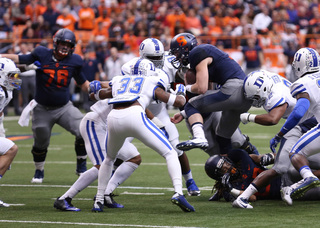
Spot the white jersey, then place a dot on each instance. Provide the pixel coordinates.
(5, 98)
(127, 89)
(102, 109)
(168, 68)
(309, 84)
(279, 95)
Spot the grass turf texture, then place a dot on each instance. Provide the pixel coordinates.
(146, 194)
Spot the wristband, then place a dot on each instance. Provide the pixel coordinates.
(188, 88)
(172, 99)
(183, 113)
(96, 96)
(235, 192)
(251, 117)
(157, 122)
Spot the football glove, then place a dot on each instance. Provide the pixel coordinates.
(34, 66)
(180, 90)
(267, 159)
(225, 180)
(94, 86)
(274, 142)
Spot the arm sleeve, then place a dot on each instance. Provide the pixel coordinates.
(298, 112)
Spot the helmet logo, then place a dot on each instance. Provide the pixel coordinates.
(259, 82)
(182, 41)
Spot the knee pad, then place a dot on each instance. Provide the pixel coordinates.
(39, 155)
(80, 147)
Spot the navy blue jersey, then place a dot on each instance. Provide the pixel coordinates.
(222, 67)
(53, 79)
(252, 56)
(249, 170)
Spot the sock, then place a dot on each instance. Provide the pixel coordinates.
(122, 173)
(39, 165)
(174, 170)
(188, 175)
(0, 177)
(305, 172)
(105, 172)
(83, 181)
(250, 190)
(197, 129)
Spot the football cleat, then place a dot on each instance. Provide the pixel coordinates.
(285, 195)
(182, 202)
(215, 197)
(110, 203)
(65, 205)
(3, 204)
(81, 166)
(241, 203)
(193, 143)
(193, 189)
(306, 185)
(97, 207)
(38, 177)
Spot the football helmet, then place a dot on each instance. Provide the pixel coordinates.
(180, 47)
(257, 87)
(9, 74)
(153, 50)
(215, 167)
(144, 67)
(64, 36)
(305, 60)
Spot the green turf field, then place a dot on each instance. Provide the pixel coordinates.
(146, 194)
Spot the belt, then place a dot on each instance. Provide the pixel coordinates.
(52, 107)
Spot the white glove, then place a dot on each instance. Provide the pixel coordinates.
(34, 66)
(180, 90)
(247, 117)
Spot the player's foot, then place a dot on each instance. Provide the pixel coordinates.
(241, 203)
(3, 204)
(181, 201)
(306, 185)
(38, 177)
(285, 195)
(81, 166)
(65, 205)
(193, 189)
(97, 207)
(247, 146)
(110, 203)
(193, 143)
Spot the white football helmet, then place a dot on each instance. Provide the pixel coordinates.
(305, 60)
(153, 50)
(144, 67)
(9, 74)
(257, 87)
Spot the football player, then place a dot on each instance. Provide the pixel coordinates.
(210, 65)
(53, 106)
(153, 50)
(9, 80)
(129, 111)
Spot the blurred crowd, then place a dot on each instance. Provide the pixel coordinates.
(110, 28)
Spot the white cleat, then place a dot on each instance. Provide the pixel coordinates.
(3, 204)
(286, 195)
(241, 203)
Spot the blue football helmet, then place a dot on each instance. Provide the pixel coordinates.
(64, 36)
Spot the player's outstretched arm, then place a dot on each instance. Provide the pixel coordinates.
(177, 100)
(13, 57)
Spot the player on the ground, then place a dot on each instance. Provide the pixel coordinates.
(210, 65)
(153, 50)
(9, 80)
(131, 95)
(53, 106)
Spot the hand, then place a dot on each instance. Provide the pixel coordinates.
(165, 132)
(274, 142)
(94, 86)
(34, 66)
(177, 118)
(244, 117)
(225, 180)
(267, 159)
(180, 90)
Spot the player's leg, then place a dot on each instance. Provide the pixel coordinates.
(93, 131)
(306, 146)
(70, 118)
(42, 123)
